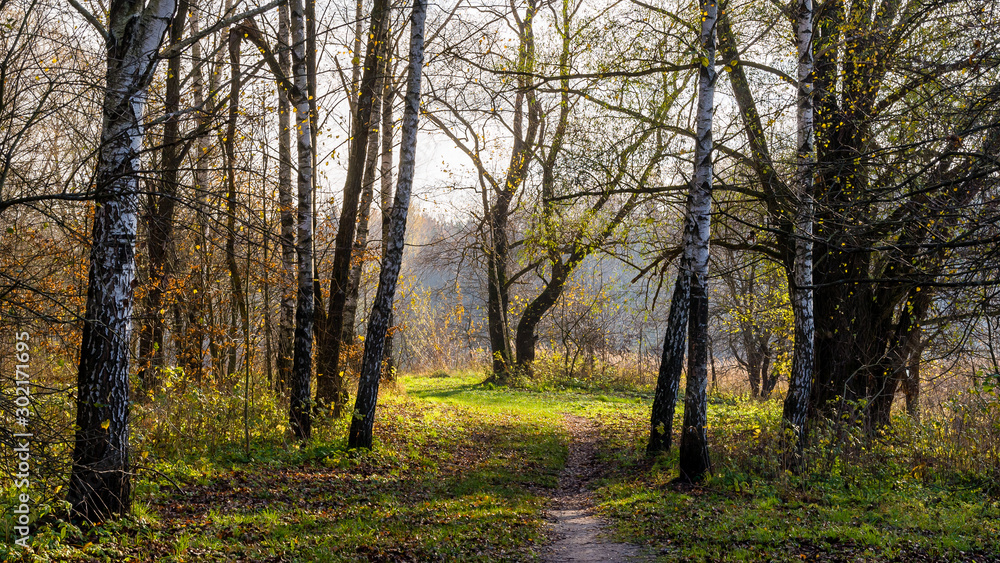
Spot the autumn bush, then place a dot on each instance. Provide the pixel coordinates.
(185, 417)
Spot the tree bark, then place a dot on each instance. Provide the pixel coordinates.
(100, 484)
(371, 368)
(286, 321)
(300, 408)
(671, 364)
(694, 459)
(329, 378)
(796, 407)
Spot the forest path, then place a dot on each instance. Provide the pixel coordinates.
(579, 533)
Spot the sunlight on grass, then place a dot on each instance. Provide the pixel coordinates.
(858, 499)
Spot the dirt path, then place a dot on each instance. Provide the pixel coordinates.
(578, 532)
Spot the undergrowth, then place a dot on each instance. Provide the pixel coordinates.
(911, 492)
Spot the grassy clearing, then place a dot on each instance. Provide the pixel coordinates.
(448, 481)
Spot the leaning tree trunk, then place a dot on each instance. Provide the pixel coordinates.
(796, 406)
(364, 214)
(378, 323)
(300, 418)
(537, 308)
(330, 389)
(671, 364)
(694, 461)
(160, 221)
(100, 484)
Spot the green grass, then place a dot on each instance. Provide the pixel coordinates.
(466, 389)
(868, 502)
(462, 472)
(448, 480)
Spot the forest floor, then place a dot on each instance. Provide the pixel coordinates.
(466, 472)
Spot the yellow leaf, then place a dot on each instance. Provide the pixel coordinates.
(106, 424)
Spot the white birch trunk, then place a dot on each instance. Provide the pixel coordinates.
(800, 381)
(100, 484)
(300, 404)
(694, 461)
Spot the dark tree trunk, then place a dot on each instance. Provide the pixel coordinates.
(330, 389)
(671, 365)
(497, 248)
(364, 214)
(768, 378)
(754, 362)
(371, 367)
(525, 337)
(160, 221)
(694, 459)
(497, 295)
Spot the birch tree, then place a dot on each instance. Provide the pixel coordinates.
(694, 460)
(378, 323)
(100, 483)
(800, 382)
(300, 404)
